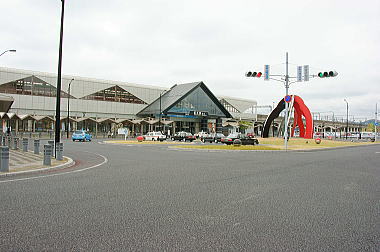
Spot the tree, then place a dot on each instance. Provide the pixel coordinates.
(370, 127)
(243, 125)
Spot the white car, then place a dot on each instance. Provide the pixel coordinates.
(154, 136)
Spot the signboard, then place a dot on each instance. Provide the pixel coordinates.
(122, 131)
(288, 98)
(198, 113)
(299, 73)
(306, 72)
(266, 72)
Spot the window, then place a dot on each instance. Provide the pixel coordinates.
(31, 85)
(114, 94)
(228, 106)
(198, 101)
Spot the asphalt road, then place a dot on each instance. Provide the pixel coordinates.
(151, 198)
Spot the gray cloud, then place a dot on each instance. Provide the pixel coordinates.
(164, 42)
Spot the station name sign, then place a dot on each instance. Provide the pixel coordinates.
(198, 113)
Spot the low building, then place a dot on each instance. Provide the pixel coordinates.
(102, 106)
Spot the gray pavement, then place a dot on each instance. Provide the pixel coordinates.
(20, 161)
(151, 198)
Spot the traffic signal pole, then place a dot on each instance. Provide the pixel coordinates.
(286, 103)
(285, 80)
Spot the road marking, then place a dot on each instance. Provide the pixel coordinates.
(377, 152)
(63, 173)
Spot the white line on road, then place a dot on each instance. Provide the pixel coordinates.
(59, 174)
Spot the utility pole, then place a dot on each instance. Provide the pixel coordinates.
(68, 108)
(58, 100)
(286, 103)
(160, 114)
(346, 119)
(376, 123)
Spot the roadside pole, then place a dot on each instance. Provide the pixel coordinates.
(302, 75)
(286, 104)
(376, 123)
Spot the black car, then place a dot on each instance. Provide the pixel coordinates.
(214, 137)
(245, 140)
(183, 136)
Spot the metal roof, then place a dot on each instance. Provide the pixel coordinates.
(176, 93)
(240, 104)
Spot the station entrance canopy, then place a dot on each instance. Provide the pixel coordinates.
(191, 100)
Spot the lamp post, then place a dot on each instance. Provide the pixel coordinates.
(58, 100)
(159, 118)
(11, 50)
(347, 119)
(68, 108)
(376, 123)
(160, 115)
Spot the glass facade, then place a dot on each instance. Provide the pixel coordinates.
(197, 101)
(114, 94)
(31, 85)
(228, 106)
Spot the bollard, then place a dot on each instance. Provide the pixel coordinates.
(36, 146)
(51, 142)
(15, 143)
(47, 154)
(59, 151)
(4, 158)
(25, 142)
(9, 141)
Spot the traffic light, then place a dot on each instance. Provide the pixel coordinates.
(327, 74)
(253, 74)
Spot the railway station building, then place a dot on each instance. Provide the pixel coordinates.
(103, 106)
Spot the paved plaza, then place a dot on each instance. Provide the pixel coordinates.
(155, 198)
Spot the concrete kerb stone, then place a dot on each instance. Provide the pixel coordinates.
(69, 163)
(299, 150)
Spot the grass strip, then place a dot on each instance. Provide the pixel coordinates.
(227, 147)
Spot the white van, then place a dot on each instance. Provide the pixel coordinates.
(154, 136)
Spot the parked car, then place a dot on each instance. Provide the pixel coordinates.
(154, 136)
(201, 134)
(183, 136)
(213, 137)
(81, 135)
(245, 140)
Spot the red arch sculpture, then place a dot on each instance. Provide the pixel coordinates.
(300, 109)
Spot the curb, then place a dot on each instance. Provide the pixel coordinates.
(281, 151)
(335, 148)
(69, 163)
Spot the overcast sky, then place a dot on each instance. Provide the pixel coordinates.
(163, 42)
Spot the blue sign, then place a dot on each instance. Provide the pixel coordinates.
(266, 72)
(288, 98)
(376, 123)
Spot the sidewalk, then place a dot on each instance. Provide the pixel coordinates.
(27, 162)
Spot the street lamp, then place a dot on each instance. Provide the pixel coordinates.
(347, 119)
(68, 108)
(58, 100)
(376, 123)
(159, 118)
(11, 50)
(160, 115)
